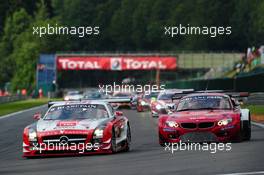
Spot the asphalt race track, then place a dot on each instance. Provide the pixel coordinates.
(145, 157)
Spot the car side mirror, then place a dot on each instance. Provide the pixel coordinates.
(240, 102)
(118, 113)
(114, 106)
(237, 103)
(172, 108)
(37, 116)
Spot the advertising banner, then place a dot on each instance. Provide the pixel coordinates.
(115, 63)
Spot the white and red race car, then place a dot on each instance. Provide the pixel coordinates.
(73, 128)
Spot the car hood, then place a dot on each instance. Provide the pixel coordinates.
(204, 115)
(52, 125)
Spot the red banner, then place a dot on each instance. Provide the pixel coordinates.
(115, 63)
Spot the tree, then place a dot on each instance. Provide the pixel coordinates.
(14, 26)
(27, 48)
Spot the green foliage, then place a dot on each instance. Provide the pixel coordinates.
(255, 109)
(14, 26)
(19, 49)
(11, 107)
(125, 25)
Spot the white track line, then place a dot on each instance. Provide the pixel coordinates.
(258, 124)
(245, 173)
(20, 112)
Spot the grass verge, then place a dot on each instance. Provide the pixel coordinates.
(256, 109)
(11, 107)
(257, 112)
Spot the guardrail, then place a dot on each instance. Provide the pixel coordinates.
(11, 98)
(256, 99)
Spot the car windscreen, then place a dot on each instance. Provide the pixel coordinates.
(165, 96)
(204, 102)
(77, 112)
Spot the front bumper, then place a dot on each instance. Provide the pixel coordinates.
(66, 142)
(212, 134)
(43, 149)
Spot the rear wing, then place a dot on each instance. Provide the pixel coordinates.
(51, 103)
(108, 100)
(237, 95)
(182, 93)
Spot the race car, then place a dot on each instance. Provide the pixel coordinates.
(143, 103)
(164, 102)
(94, 95)
(73, 96)
(123, 95)
(77, 128)
(205, 117)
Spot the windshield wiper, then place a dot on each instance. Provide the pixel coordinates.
(186, 110)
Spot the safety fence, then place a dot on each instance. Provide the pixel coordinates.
(256, 98)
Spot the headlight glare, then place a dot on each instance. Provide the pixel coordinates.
(143, 103)
(224, 122)
(32, 135)
(172, 124)
(98, 133)
(158, 106)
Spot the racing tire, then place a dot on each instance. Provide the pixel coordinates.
(161, 140)
(128, 139)
(113, 142)
(154, 116)
(247, 130)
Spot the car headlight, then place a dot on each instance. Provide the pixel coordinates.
(143, 103)
(172, 124)
(66, 98)
(98, 133)
(32, 135)
(224, 122)
(159, 106)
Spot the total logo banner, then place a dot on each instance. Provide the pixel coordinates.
(116, 63)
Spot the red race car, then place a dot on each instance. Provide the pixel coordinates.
(123, 95)
(144, 102)
(77, 128)
(164, 102)
(205, 117)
